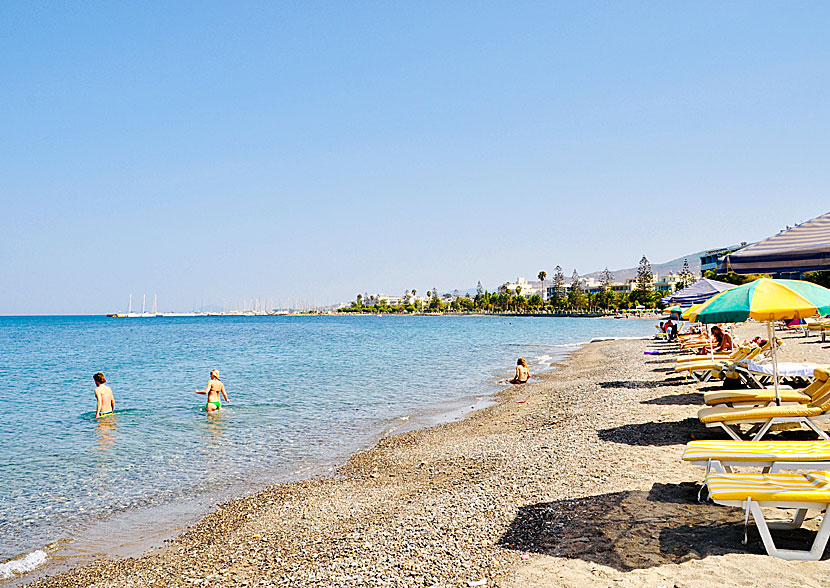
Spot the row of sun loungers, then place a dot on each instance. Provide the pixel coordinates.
(790, 474)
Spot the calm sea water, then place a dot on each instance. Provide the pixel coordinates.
(305, 392)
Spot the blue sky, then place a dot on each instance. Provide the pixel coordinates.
(215, 151)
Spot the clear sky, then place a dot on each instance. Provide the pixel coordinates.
(314, 150)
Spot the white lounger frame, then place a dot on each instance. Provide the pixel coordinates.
(723, 465)
(819, 543)
(732, 428)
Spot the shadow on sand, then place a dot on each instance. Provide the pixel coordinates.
(641, 384)
(637, 529)
(667, 433)
(685, 398)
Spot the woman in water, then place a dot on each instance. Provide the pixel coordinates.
(522, 372)
(104, 402)
(214, 388)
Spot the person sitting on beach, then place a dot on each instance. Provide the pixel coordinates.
(104, 401)
(522, 372)
(723, 339)
(214, 388)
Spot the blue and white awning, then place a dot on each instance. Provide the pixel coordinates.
(700, 291)
(803, 248)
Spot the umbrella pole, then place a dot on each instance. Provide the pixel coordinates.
(711, 345)
(771, 334)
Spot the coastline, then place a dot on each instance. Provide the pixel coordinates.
(430, 417)
(570, 480)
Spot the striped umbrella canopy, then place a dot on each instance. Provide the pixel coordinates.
(765, 299)
(803, 248)
(700, 291)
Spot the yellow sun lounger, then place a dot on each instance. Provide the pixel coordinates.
(733, 355)
(702, 370)
(762, 418)
(766, 396)
(752, 492)
(772, 456)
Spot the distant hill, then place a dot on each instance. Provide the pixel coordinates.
(659, 269)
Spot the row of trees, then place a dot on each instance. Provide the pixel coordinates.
(562, 298)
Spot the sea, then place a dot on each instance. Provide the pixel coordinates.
(306, 392)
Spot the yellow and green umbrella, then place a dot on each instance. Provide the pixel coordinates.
(691, 311)
(767, 300)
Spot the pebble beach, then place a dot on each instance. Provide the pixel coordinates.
(573, 479)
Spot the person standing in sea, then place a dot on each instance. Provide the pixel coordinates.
(214, 388)
(104, 401)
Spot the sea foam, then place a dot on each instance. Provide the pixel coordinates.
(22, 565)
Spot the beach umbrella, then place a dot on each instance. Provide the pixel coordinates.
(700, 291)
(766, 300)
(687, 314)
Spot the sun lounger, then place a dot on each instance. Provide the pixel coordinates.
(762, 418)
(733, 355)
(752, 492)
(772, 456)
(759, 375)
(766, 396)
(702, 370)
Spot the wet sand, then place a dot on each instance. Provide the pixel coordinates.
(573, 479)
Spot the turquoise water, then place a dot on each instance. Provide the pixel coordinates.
(305, 392)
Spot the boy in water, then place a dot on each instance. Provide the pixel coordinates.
(214, 388)
(104, 402)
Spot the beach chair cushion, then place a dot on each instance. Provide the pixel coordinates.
(785, 370)
(755, 451)
(718, 415)
(812, 487)
(757, 396)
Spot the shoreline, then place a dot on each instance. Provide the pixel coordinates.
(179, 516)
(574, 479)
(429, 417)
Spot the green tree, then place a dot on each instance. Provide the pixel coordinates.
(575, 297)
(733, 278)
(645, 277)
(605, 297)
(686, 276)
(822, 278)
(558, 286)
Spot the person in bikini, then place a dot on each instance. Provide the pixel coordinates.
(104, 402)
(214, 388)
(522, 372)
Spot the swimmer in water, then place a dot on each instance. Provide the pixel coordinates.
(214, 388)
(522, 372)
(104, 402)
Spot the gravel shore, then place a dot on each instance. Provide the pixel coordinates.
(573, 479)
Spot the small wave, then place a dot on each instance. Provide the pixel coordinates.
(22, 565)
(598, 339)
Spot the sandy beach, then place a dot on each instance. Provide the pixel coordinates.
(573, 479)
